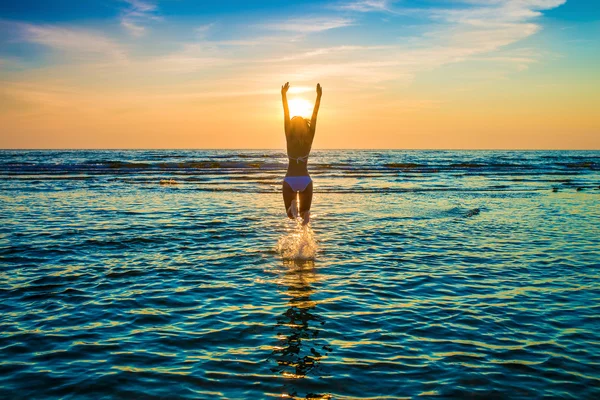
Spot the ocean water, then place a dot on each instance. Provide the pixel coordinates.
(175, 274)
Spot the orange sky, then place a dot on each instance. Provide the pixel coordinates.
(486, 77)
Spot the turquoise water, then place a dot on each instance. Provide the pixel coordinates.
(174, 274)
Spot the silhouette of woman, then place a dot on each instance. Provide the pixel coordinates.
(299, 133)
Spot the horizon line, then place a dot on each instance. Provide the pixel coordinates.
(284, 150)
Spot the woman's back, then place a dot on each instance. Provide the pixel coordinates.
(299, 139)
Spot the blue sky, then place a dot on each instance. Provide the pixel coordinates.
(173, 23)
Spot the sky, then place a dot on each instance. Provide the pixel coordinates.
(406, 74)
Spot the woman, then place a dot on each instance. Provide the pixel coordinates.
(299, 133)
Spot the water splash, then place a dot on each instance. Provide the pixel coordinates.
(299, 244)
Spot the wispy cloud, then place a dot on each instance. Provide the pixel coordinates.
(78, 42)
(134, 30)
(365, 5)
(478, 30)
(325, 51)
(203, 30)
(308, 25)
(489, 25)
(367, 72)
(191, 57)
(136, 15)
(496, 11)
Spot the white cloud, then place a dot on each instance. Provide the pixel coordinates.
(180, 63)
(78, 42)
(203, 30)
(368, 72)
(478, 30)
(497, 11)
(191, 57)
(308, 25)
(366, 5)
(325, 51)
(141, 6)
(134, 30)
(136, 15)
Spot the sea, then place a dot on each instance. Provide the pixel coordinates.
(175, 274)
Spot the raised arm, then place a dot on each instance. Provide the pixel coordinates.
(286, 110)
(313, 120)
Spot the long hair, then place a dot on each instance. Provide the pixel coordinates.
(300, 130)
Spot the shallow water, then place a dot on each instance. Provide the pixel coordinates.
(156, 274)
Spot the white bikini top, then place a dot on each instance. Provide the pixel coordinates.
(299, 159)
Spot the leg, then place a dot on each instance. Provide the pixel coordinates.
(288, 196)
(305, 202)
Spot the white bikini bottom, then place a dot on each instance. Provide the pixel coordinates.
(298, 183)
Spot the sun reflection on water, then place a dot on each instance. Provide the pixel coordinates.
(299, 350)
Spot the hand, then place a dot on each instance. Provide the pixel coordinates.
(285, 88)
(319, 90)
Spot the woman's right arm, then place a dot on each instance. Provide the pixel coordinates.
(313, 120)
(286, 110)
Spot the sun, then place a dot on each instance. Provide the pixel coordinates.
(300, 108)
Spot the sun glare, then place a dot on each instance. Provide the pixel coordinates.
(300, 107)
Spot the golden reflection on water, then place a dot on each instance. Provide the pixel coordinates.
(297, 352)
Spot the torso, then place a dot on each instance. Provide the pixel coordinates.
(298, 168)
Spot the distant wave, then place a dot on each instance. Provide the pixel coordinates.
(333, 171)
(214, 166)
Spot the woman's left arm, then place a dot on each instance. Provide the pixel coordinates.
(313, 120)
(286, 110)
